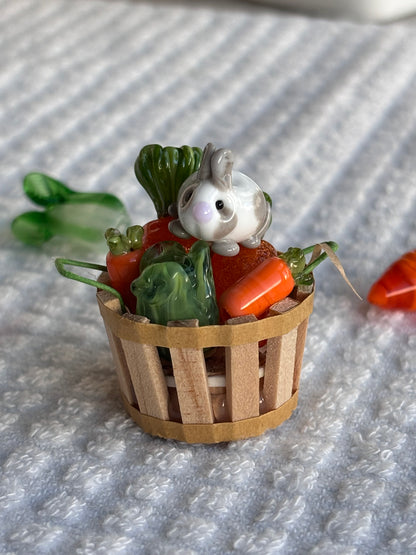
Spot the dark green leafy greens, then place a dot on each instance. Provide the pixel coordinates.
(172, 290)
(162, 170)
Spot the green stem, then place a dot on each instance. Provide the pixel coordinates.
(60, 264)
(119, 243)
(312, 265)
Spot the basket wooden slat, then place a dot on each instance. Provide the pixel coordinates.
(147, 376)
(280, 361)
(278, 374)
(242, 376)
(300, 348)
(120, 363)
(191, 381)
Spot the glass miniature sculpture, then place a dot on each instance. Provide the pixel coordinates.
(206, 320)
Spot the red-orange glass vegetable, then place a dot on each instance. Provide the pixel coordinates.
(270, 282)
(228, 270)
(156, 231)
(123, 260)
(396, 288)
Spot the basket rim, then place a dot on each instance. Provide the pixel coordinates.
(132, 328)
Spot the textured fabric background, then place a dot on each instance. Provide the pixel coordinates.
(322, 114)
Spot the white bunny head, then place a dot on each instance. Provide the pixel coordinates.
(221, 205)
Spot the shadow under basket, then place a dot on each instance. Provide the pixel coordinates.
(222, 383)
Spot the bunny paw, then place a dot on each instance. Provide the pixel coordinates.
(225, 248)
(252, 242)
(177, 229)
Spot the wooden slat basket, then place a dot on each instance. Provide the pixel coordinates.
(222, 383)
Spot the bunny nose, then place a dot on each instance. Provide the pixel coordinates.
(202, 212)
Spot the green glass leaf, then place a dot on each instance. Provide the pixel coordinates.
(85, 221)
(105, 200)
(45, 190)
(268, 198)
(161, 172)
(81, 217)
(32, 228)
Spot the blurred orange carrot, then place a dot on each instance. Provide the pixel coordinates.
(396, 288)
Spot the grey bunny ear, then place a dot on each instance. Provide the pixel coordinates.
(204, 171)
(222, 162)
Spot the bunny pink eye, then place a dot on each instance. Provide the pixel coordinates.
(219, 205)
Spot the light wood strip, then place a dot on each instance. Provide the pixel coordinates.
(300, 348)
(191, 381)
(213, 433)
(147, 376)
(121, 366)
(119, 359)
(280, 361)
(242, 376)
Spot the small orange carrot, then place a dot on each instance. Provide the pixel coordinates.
(228, 270)
(396, 288)
(271, 281)
(268, 283)
(123, 261)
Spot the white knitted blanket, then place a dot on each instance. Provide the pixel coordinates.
(322, 114)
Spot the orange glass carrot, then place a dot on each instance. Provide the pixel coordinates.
(123, 260)
(271, 281)
(228, 270)
(396, 288)
(268, 283)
